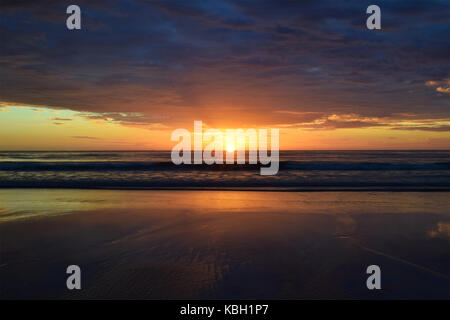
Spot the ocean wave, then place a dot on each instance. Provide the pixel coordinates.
(164, 166)
(365, 170)
(364, 166)
(226, 185)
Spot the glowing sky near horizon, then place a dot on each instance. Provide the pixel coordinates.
(34, 128)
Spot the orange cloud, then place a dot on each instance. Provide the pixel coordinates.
(442, 86)
(443, 90)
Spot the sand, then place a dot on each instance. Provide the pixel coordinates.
(223, 244)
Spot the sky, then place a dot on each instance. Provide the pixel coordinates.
(137, 70)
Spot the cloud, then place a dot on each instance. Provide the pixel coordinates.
(166, 63)
(443, 128)
(61, 119)
(443, 90)
(318, 121)
(442, 86)
(338, 121)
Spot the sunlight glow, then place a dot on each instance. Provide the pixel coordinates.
(230, 148)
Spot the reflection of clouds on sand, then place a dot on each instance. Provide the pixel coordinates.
(442, 230)
(345, 226)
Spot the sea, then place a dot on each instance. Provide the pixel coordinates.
(298, 170)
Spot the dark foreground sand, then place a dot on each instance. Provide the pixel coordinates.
(224, 244)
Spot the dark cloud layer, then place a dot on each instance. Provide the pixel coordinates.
(174, 61)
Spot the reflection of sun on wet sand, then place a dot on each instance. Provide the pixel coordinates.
(234, 244)
(442, 230)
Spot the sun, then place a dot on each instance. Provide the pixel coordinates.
(230, 148)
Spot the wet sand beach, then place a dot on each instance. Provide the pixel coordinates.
(156, 244)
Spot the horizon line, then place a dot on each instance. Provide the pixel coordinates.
(169, 150)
